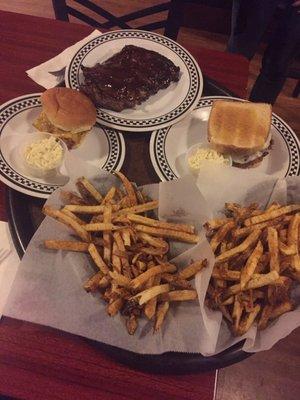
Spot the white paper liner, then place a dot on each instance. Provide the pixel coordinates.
(48, 287)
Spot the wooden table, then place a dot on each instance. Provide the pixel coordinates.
(43, 363)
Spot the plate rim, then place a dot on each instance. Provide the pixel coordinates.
(142, 128)
(155, 133)
(39, 193)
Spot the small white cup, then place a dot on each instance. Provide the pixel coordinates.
(193, 149)
(30, 138)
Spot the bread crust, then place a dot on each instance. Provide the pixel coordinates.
(239, 128)
(68, 109)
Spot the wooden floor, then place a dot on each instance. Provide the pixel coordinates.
(267, 375)
(286, 107)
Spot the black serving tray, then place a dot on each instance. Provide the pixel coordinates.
(24, 216)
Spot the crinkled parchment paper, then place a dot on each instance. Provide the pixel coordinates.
(48, 287)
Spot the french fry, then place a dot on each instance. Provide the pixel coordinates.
(65, 219)
(220, 235)
(72, 198)
(287, 250)
(272, 214)
(247, 322)
(237, 312)
(251, 264)
(66, 245)
(148, 294)
(257, 281)
(109, 196)
(88, 209)
(85, 194)
(153, 241)
(120, 279)
(93, 283)
(168, 233)
(139, 219)
(158, 269)
(140, 208)
(273, 249)
(126, 237)
(116, 261)
(72, 215)
(97, 258)
(241, 232)
(225, 274)
(292, 233)
(132, 324)
(91, 189)
(114, 307)
(216, 223)
(150, 306)
(192, 269)
(295, 262)
(100, 226)
(281, 309)
(249, 241)
(180, 295)
(128, 187)
(265, 317)
(107, 214)
(175, 281)
(161, 314)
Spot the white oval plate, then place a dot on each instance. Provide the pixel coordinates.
(102, 147)
(169, 145)
(162, 109)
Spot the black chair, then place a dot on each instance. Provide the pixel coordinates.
(171, 24)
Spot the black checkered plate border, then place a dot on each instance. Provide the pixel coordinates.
(23, 184)
(119, 120)
(164, 171)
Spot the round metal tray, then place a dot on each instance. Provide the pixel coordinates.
(24, 215)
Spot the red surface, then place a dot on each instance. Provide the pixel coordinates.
(42, 363)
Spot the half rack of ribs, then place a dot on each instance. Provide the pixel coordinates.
(128, 78)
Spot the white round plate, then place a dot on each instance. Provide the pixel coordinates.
(102, 147)
(169, 145)
(162, 109)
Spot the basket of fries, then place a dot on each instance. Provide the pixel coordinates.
(154, 270)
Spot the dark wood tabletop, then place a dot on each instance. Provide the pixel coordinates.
(44, 363)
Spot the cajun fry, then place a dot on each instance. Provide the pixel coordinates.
(92, 284)
(192, 269)
(65, 219)
(161, 314)
(272, 214)
(168, 233)
(158, 269)
(97, 258)
(148, 294)
(128, 187)
(273, 249)
(66, 245)
(100, 226)
(250, 240)
(160, 224)
(180, 295)
(248, 270)
(88, 209)
(91, 189)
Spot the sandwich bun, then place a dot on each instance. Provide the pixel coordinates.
(67, 114)
(239, 128)
(68, 109)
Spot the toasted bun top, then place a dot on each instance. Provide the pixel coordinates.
(239, 128)
(68, 109)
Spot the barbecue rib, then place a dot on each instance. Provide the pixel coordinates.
(128, 78)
